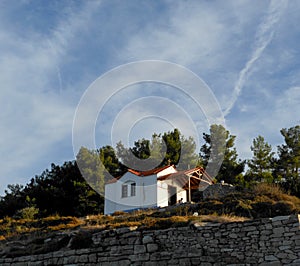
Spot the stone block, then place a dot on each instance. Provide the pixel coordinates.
(270, 258)
(184, 262)
(284, 247)
(286, 261)
(297, 261)
(152, 247)
(125, 262)
(277, 224)
(139, 249)
(278, 232)
(249, 229)
(93, 258)
(196, 262)
(154, 263)
(147, 239)
(281, 255)
(279, 218)
(288, 234)
(271, 263)
(292, 256)
(233, 235)
(83, 258)
(139, 257)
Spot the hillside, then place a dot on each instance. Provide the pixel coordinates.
(35, 236)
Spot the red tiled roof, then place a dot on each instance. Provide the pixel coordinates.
(141, 173)
(149, 172)
(182, 177)
(178, 173)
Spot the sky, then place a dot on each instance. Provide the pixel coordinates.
(246, 52)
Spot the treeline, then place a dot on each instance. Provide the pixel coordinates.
(76, 188)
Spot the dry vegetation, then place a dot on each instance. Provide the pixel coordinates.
(12, 229)
(263, 201)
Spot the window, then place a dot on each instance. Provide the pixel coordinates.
(124, 191)
(132, 188)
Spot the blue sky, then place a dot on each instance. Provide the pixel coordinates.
(247, 52)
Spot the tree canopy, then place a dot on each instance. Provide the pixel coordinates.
(76, 187)
(219, 150)
(260, 166)
(286, 166)
(170, 148)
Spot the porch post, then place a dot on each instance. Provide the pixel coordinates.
(190, 189)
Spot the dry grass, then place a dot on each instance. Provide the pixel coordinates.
(274, 194)
(271, 190)
(264, 201)
(148, 219)
(224, 218)
(10, 228)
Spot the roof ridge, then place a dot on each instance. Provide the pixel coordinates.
(149, 172)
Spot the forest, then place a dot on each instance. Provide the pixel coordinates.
(64, 190)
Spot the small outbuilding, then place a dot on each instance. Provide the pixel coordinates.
(160, 187)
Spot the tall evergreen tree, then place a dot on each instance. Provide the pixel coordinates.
(219, 149)
(169, 148)
(288, 162)
(260, 166)
(138, 157)
(111, 162)
(91, 168)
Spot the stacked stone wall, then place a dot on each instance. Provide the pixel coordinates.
(273, 241)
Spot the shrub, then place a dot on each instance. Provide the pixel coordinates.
(272, 190)
(28, 213)
(283, 208)
(81, 240)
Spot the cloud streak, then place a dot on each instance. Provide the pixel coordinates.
(36, 113)
(49, 54)
(264, 36)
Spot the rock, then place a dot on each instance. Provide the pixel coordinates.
(147, 239)
(139, 249)
(152, 247)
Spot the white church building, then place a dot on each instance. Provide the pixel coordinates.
(159, 187)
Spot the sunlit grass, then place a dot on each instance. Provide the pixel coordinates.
(234, 208)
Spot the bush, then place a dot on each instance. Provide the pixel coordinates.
(272, 190)
(81, 240)
(28, 213)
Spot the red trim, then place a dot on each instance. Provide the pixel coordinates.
(149, 172)
(141, 173)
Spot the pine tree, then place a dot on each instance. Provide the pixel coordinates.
(260, 166)
(218, 153)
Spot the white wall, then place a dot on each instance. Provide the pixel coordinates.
(162, 194)
(149, 192)
(146, 194)
(110, 200)
(181, 193)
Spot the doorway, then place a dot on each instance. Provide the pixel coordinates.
(172, 196)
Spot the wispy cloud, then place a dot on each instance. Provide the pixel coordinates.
(50, 53)
(263, 37)
(36, 112)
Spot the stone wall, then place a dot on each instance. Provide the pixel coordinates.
(273, 241)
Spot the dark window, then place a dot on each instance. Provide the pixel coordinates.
(124, 191)
(133, 186)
